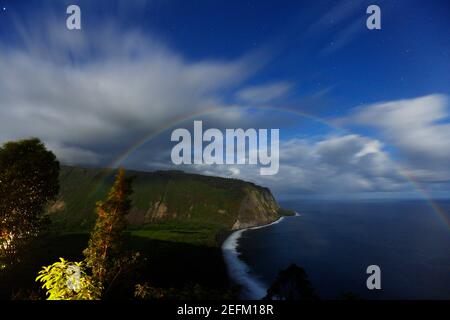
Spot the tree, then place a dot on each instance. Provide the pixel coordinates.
(104, 252)
(291, 284)
(105, 261)
(28, 181)
(66, 280)
(349, 296)
(191, 291)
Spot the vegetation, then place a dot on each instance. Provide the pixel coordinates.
(65, 280)
(191, 232)
(349, 296)
(104, 251)
(171, 217)
(28, 181)
(291, 284)
(166, 198)
(104, 256)
(189, 292)
(286, 212)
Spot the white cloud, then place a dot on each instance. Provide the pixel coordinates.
(264, 93)
(235, 171)
(105, 89)
(89, 96)
(347, 165)
(344, 21)
(337, 14)
(344, 36)
(73, 155)
(418, 128)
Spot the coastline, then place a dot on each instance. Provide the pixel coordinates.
(238, 270)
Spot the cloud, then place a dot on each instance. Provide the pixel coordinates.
(97, 92)
(339, 13)
(263, 93)
(334, 165)
(418, 128)
(90, 95)
(340, 25)
(344, 36)
(74, 155)
(339, 164)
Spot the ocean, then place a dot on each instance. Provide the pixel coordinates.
(335, 242)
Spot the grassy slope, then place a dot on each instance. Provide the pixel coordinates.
(168, 264)
(179, 252)
(205, 206)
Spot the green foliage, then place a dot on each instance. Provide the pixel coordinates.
(104, 256)
(189, 198)
(147, 292)
(291, 284)
(192, 232)
(28, 181)
(104, 251)
(189, 292)
(286, 212)
(349, 296)
(66, 280)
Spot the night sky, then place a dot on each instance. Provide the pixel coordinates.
(361, 113)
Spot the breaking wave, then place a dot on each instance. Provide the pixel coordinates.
(239, 271)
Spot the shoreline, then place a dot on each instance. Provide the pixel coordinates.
(238, 270)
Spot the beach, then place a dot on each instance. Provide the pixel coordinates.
(252, 287)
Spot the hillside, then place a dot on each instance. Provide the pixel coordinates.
(166, 202)
(175, 217)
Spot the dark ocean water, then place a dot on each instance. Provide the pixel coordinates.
(336, 241)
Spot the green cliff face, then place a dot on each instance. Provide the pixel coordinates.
(165, 197)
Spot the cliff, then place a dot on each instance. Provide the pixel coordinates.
(165, 196)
